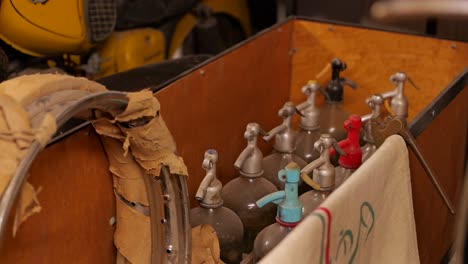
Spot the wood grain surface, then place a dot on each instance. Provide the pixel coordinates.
(443, 144)
(77, 203)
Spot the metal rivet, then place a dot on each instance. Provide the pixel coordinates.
(166, 197)
(112, 221)
(163, 221)
(453, 46)
(292, 51)
(433, 113)
(202, 72)
(169, 249)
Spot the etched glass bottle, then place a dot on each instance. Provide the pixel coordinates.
(225, 222)
(285, 144)
(323, 174)
(333, 113)
(368, 149)
(241, 193)
(309, 124)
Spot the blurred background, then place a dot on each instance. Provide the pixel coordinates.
(98, 38)
(359, 12)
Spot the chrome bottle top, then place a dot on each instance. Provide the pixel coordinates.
(375, 103)
(249, 163)
(398, 99)
(209, 191)
(322, 169)
(285, 138)
(334, 88)
(310, 113)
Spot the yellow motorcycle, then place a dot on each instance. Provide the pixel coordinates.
(97, 38)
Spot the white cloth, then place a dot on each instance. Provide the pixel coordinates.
(369, 219)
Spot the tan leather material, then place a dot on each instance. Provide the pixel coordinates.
(128, 175)
(46, 130)
(28, 204)
(140, 104)
(205, 245)
(132, 235)
(27, 88)
(12, 118)
(106, 127)
(16, 135)
(121, 259)
(152, 144)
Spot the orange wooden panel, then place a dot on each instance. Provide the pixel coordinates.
(443, 143)
(211, 107)
(77, 204)
(372, 56)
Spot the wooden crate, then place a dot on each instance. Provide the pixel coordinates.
(209, 106)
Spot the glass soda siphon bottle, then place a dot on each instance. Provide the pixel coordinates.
(323, 174)
(399, 101)
(289, 212)
(309, 124)
(225, 222)
(368, 149)
(333, 114)
(285, 144)
(241, 193)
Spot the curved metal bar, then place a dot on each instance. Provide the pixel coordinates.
(176, 208)
(169, 218)
(106, 101)
(158, 219)
(97, 101)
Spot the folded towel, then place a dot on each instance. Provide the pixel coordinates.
(369, 219)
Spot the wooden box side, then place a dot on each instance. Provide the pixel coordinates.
(77, 203)
(211, 107)
(443, 144)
